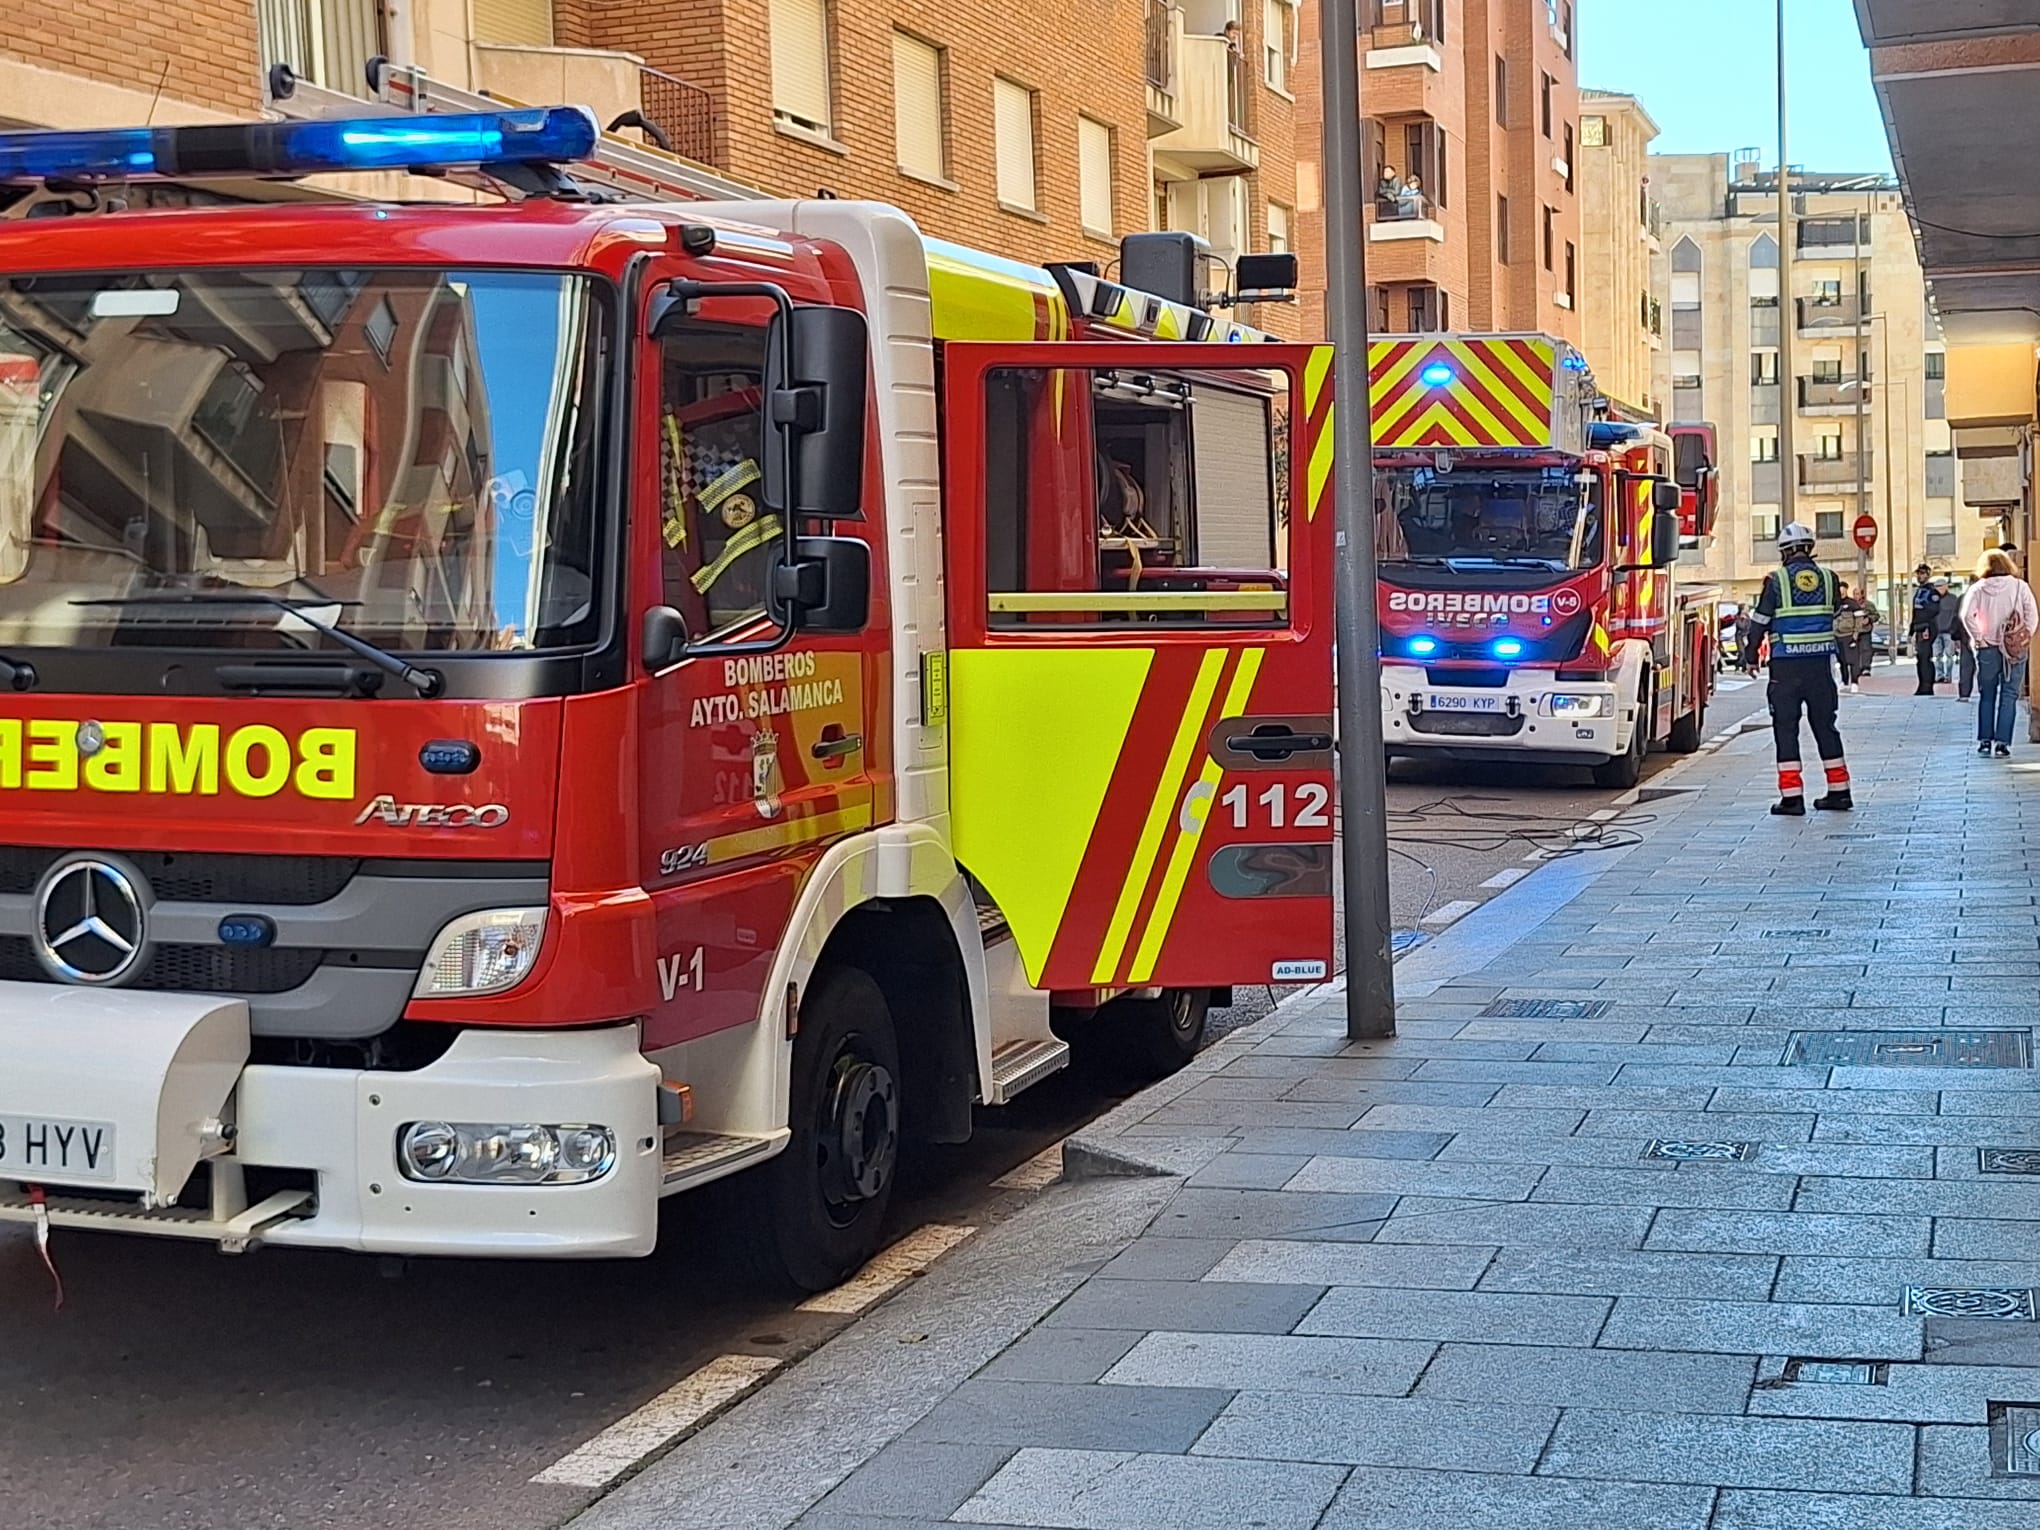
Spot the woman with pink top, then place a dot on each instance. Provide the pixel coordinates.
(1999, 614)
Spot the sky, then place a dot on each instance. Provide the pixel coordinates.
(1712, 84)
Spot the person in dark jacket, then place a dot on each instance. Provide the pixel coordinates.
(1926, 619)
(1796, 609)
(1853, 621)
(1965, 651)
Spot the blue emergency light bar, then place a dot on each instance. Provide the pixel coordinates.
(539, 135)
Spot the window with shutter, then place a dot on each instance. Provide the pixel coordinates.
(514, 21)
(1275, 42)
(1278, 229)
(1094, 176)
(1013, 135)
(800, 63)
(917, 107)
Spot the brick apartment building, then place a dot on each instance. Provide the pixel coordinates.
(1478, 100)
(1044, 132)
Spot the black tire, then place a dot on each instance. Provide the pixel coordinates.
(1626, 769)
(1152, 1038)
(1686, 732)
(827, 1193)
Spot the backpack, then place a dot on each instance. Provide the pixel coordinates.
(2015, 637)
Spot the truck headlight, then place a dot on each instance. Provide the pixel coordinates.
(1580, 706)
(481, 953)
(500, 1153)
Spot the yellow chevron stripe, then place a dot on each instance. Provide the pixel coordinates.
(1315, 371)
(1320, 471)
(1498, 432)
(1518, 357)
(1187, 838)
(1524, 427)
(1169, 323)
(1439, 415)
(1167, 790)
(1391, 390)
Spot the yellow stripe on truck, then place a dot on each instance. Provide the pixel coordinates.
(1022, 822)
(1190, 827)
(1169, 790)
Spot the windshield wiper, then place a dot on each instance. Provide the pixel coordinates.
(425, 682)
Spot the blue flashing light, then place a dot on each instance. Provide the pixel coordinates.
(539, 135)
(1573, 361)
(1423, 647)
(1437, 375)
(1508, 648)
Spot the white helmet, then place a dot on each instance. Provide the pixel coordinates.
(1795, 534)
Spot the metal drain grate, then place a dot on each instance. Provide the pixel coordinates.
(1797, 934)
(1699, 1152)
(2008, 1160)
(1663, 793)
(1838, 1373)
(1851, 835)
(1547, 1009)
(2014, 1440)
(1912, 1049)
(2010, 1303)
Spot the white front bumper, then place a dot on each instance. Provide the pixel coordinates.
(339, 1126)
(1517, 717)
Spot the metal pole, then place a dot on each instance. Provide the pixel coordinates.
(1862, 415)
(1363, 768)
(1890, 515)
(1788, 317)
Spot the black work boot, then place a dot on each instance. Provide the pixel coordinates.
(1835, 802)
(1789, 807)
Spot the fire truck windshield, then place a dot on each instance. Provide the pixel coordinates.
(1547, 517)
(404, 455)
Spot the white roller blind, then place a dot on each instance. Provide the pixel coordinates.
(1235, 515)
(1685, 289)
(1094, 174)
(1278, 229)
(800, 62)
(917, 106)
(514, 21)
(1763, 281)
(1013, 132)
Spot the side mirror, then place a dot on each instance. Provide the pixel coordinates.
(820, 406)
(1665, 494)
(1264, 276)
(663, 638)
(824, 586)
(1665, 530)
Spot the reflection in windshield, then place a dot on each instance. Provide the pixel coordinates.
(1542, 515)
(407, 454)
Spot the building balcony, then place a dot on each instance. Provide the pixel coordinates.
(1820, 396)
(1398, 33)
(1164, 38)
(1211, 99)
(1409, 216)
(1844, 473)
(680, 117)
(1815, 315)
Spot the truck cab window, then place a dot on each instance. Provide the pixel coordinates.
(716, 537)
(1117, 496)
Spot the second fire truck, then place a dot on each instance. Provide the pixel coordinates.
(1532, 605)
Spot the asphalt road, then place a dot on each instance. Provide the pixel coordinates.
(180, 1388)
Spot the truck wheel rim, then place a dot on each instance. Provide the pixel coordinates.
(859, 1135)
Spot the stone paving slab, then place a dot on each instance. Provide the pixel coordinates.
(1103, 1490)
(1809, 1511)
(1816, 1455)
(1379, 1431)
(1590, 1378)
(1764, 1328)
(1385, 1499)
(1927, 1394)
(1291, 1362)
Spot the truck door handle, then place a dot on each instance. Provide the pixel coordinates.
(1279, 746)
(837, 748)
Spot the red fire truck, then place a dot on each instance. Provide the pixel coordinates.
(1532, 607)
(509, 712)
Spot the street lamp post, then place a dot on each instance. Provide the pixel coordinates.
(1363, 766)
(1787, 383)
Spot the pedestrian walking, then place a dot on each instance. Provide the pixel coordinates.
(2001, 617)
(1797, 610)
(1926, 610)
(1965, 651)
(1947, 618)
(1853, 621)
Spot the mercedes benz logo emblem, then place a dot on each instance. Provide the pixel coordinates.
(90, 923)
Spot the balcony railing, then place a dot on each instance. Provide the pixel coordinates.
(1236, 91)
(1161, 45)
(325, 42)
(1826, 393)
(684, 113)
(1652, 314)
(1400, 23)
(1829, 313)
(1404, 207)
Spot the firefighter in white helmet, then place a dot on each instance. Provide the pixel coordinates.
(1797, 607)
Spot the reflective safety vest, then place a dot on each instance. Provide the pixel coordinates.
(1803, 625)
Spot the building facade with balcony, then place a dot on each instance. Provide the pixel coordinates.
(988, 124)
(1622, 301)
(1868, 429)
(1472, 197)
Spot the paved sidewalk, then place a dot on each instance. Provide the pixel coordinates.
(1615, 1235)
